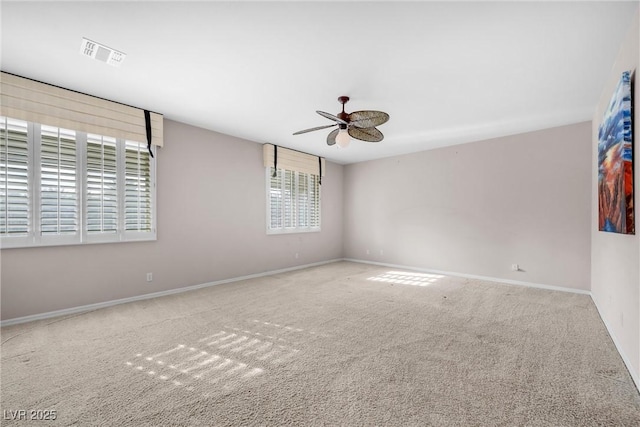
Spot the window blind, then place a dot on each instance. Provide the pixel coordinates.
(275, 199)
(314, 194)
(102, 185)
(293, 160)
(137, 200)
(303, 200)
(38, 102)
(14, 178)
(58, 184)
(289, 199)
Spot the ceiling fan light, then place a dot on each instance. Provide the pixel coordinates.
(343, 138)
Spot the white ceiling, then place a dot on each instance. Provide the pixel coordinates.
(446, 72)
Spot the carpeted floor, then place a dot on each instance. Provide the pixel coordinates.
(340, 344)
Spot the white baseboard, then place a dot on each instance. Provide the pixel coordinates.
(473, 276)
(89, 307)
(625, 359)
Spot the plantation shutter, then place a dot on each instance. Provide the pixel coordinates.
(314, 202)
(275, 199)
(14, 178)
(289, 199)
(102, 188)
(58, 185)
(38, 102)
(137, 201)
(303, 200)
(293, 200)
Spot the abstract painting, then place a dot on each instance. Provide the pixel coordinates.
(615, 163)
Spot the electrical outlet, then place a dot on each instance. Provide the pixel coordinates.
(381, 252)
(368, 251)
(297, 255)
(149, 277)
(515, 267)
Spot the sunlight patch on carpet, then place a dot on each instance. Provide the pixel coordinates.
(235, 358)
(404, 278)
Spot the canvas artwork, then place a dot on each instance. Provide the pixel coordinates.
(615, 163)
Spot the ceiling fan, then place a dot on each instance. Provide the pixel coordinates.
(359, 125)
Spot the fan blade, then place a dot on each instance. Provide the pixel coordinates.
(331, 138)
(368, 119)
(365, 134)
(312, 129)
(331, 117)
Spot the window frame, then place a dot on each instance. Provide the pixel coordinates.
(34, 238)
(295, 198)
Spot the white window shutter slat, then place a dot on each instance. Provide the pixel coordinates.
(289, 189)
(275, 199)
(15, 216)
(137, 200)
(101, 185)
(59, 212)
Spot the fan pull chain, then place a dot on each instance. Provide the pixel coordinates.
(320, 169)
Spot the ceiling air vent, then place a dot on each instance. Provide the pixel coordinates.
(101, 52)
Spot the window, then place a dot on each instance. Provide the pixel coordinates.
(293, 189)
(59, 186)
(293, 201)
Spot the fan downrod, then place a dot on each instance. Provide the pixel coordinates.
(343, 116)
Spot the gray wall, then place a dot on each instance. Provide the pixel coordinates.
(211, 226)
(615, 258)
(478, 208)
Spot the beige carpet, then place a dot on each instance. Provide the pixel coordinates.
(340, 344)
